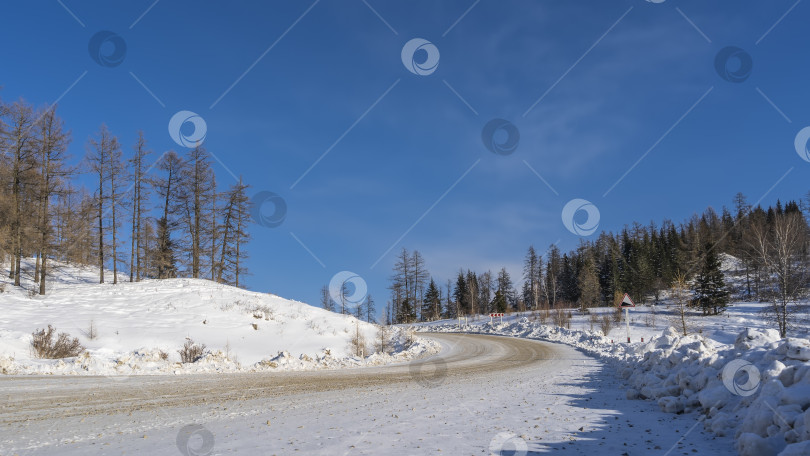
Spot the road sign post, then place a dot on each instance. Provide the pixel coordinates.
(627, 303)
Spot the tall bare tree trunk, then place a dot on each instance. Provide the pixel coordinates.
(101, 226)
(214, 227)
(21, 123)
(137, 209)
(132, 248)
(114, 227)
(132, 235)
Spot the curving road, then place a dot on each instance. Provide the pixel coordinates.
(480, 395)
(48, 398)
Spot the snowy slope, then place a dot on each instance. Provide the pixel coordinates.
(135, 322)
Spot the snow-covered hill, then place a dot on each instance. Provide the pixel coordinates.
(136, 324)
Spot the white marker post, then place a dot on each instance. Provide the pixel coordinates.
(627, 303)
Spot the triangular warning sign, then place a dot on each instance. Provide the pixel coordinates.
(627, 302)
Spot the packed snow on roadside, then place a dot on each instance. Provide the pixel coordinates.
(139, 324)
(756, 389)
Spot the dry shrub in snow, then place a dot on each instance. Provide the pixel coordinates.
(358, 343)
(92, 331)
(45, 346)
(605, 323)
(561, 317)
(382, 344)
(544, 313)
(191, 351)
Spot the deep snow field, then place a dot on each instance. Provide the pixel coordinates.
(135, 322)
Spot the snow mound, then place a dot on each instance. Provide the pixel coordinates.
(757, 389)
(730, 264)
(139, 328)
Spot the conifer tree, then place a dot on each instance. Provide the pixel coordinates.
(499, 303)
(710, 289)
(504, 287)
(433, 302)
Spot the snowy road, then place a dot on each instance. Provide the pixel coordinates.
(481, 395)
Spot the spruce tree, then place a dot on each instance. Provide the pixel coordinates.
(504, 286)
(499, 303)
(407, 314)
(432, 305)
(461, 295)
(710, 289)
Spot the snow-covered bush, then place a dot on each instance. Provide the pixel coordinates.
(191, 351)
(44, 345)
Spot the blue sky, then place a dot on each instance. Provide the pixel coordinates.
(406, 165)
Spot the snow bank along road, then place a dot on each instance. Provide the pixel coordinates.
(480, 395)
